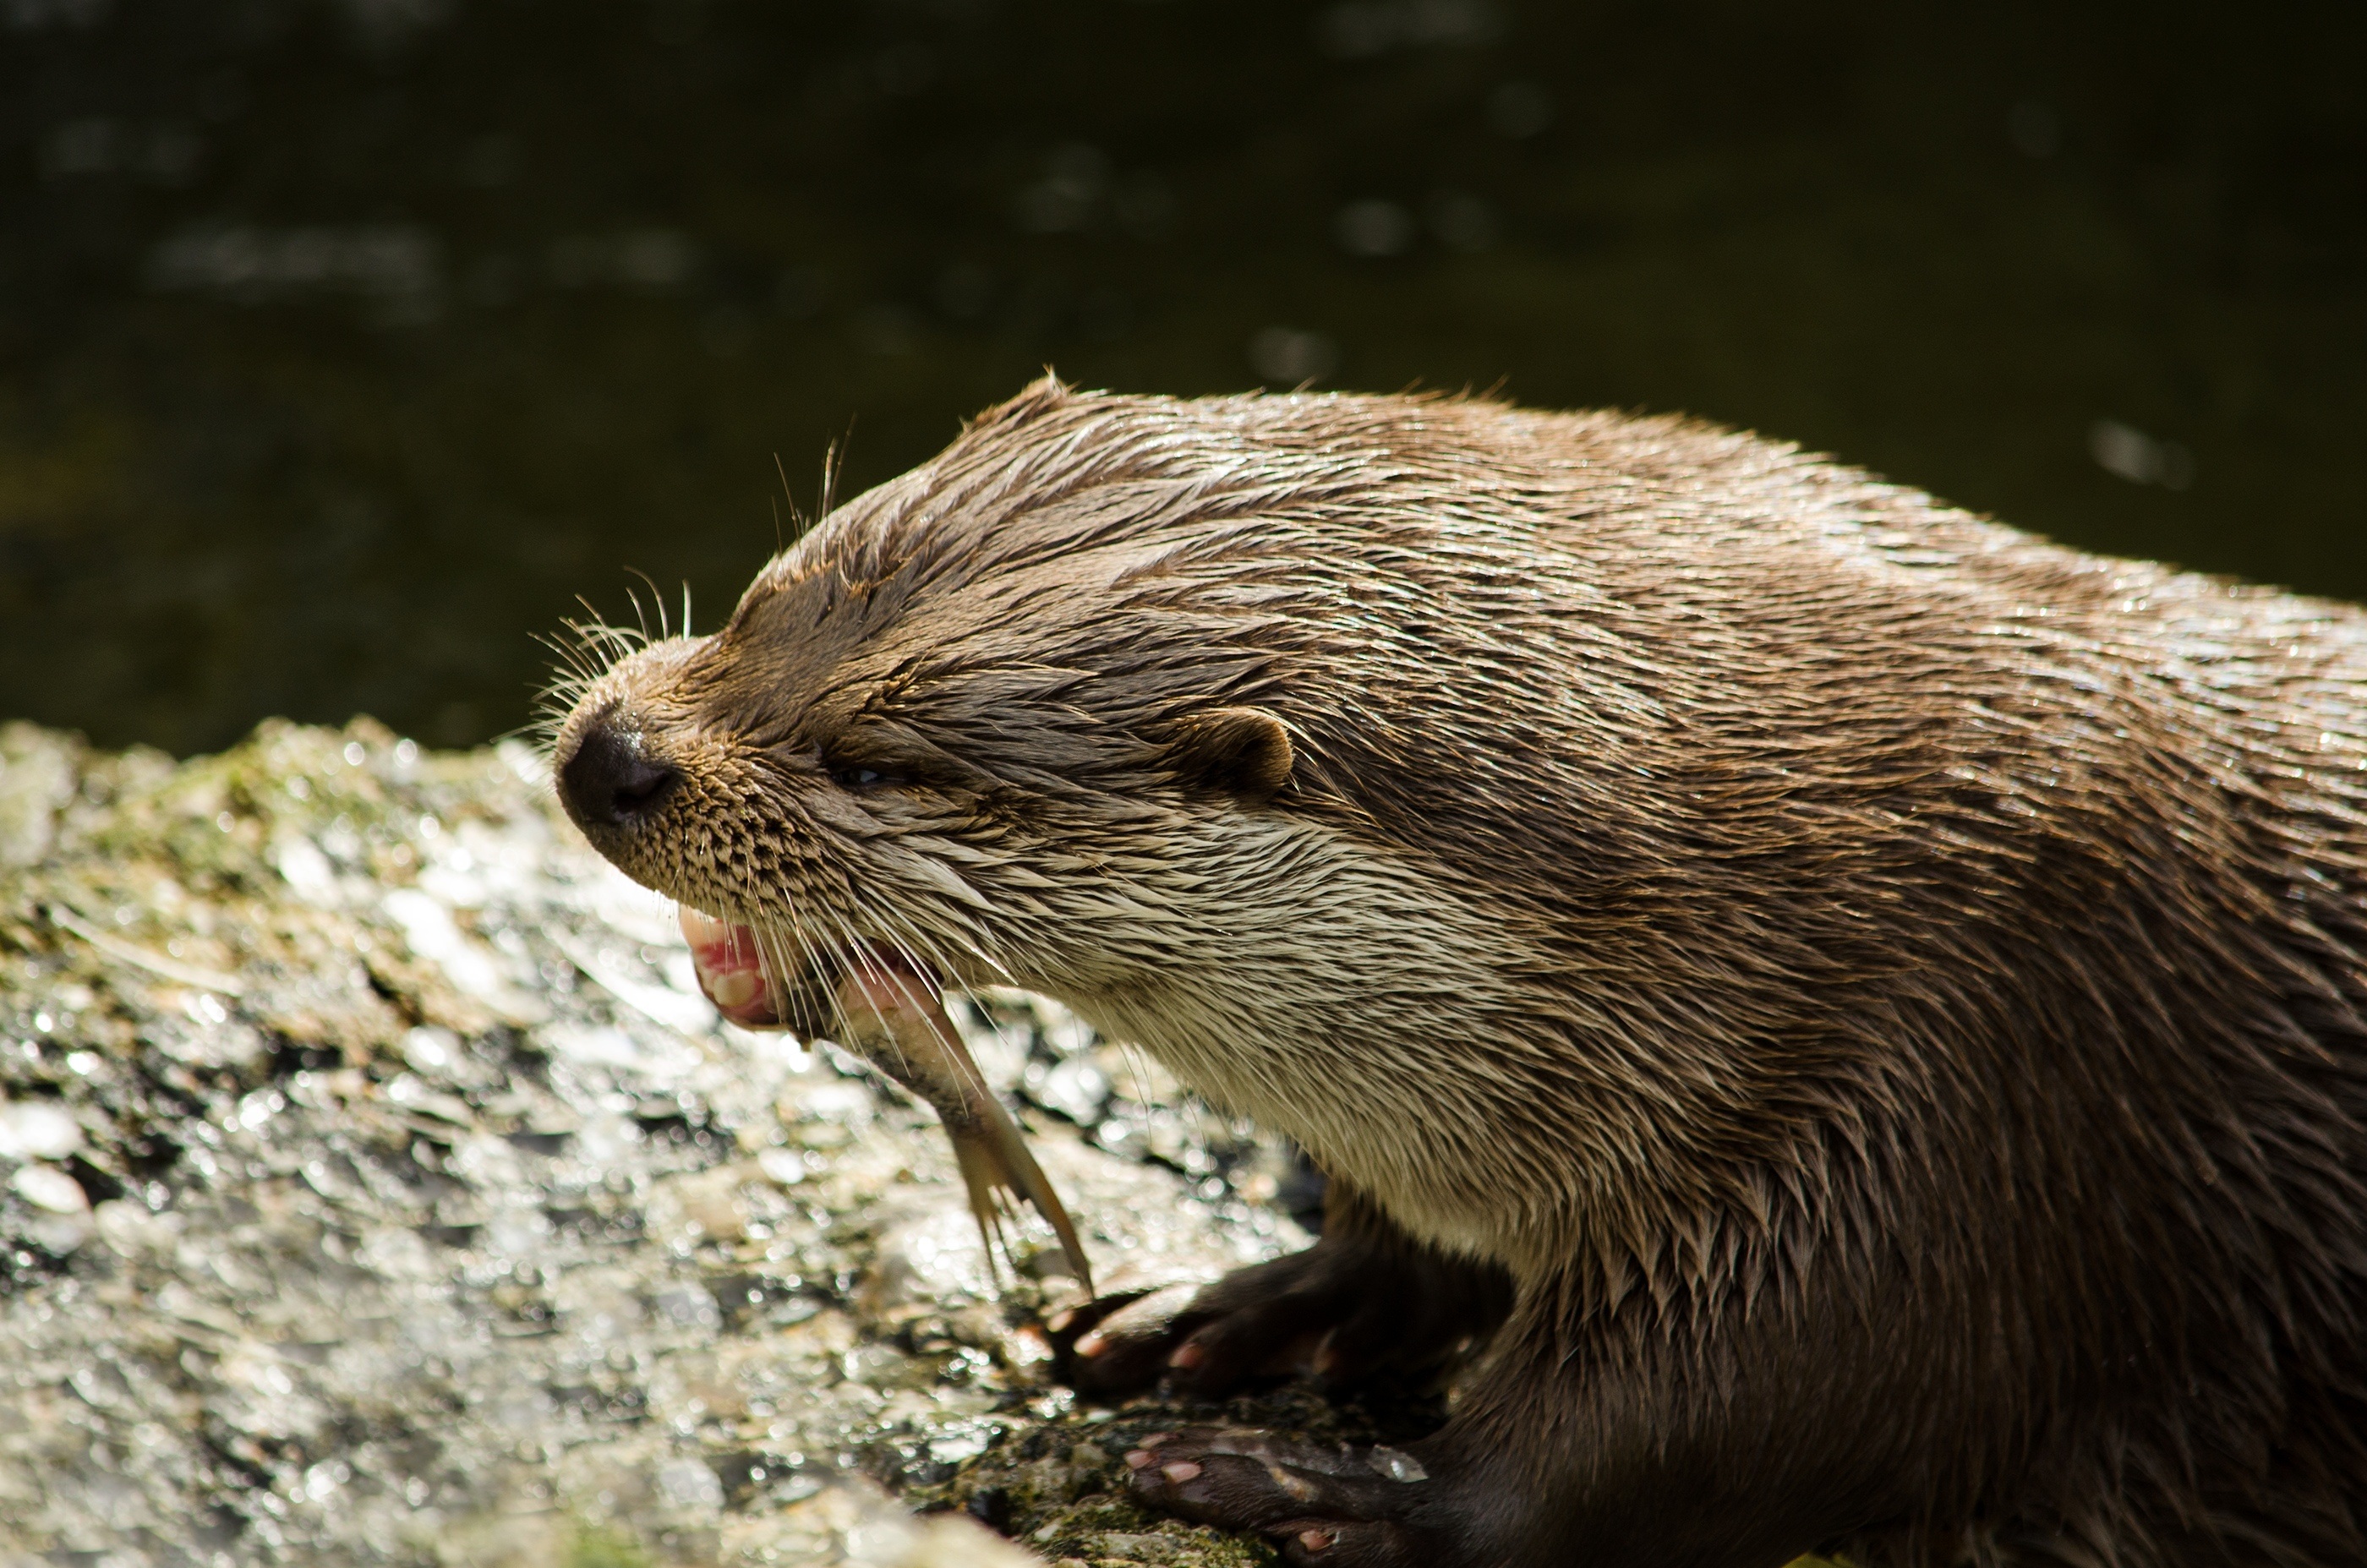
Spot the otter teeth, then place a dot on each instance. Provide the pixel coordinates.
(730, 969)
(732, 992)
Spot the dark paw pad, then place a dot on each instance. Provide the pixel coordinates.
(1337, 1507)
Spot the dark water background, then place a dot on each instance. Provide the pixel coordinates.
(343, 344)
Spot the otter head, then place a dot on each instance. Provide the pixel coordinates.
(1260, 731)
(971, 723)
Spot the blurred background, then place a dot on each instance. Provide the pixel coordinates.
(342, 343)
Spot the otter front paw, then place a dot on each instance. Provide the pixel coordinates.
(1346, 1310)
(1119, 1344)
(1340, 1508)
(1206, 1339)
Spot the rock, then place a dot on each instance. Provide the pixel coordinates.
(48, 1189)
(38, 775)
(375, 1188)
(37, 1130)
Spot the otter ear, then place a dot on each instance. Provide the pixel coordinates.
(1243, 751)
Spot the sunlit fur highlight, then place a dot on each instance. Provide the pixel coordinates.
(1888, 988)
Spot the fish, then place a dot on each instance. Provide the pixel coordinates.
(892, 1015)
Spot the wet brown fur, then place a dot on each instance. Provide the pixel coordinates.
(1888, 991)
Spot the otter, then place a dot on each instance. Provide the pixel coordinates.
(1864, 1009)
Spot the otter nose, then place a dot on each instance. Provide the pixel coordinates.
(608, 780)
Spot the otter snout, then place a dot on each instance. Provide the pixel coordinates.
(606, 777)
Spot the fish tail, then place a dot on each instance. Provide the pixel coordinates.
(991, 1154)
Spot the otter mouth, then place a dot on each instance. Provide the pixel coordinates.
(749, 991)
(730, 968)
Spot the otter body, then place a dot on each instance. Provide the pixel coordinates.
(1867, 1009)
